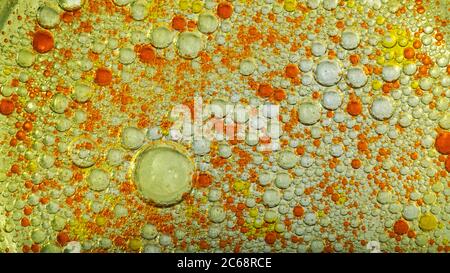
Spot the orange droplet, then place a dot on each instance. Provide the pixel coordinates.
(224, 10)
(279, 95)
(265, 90)
(179, 23)
(27, 126)
(298, 211)
(291, 71)
(6, 107)
(43, 41)
(409, 53)
(442, 143)
(401, 227)
(103, 77)
(354, 107)
(417, 44)
(356, 163)
(147, 54)
(62, 238)
(204, 180)
(270, 238)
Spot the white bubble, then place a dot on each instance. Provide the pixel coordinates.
(59, 103)
(410, 69)
(149, 232)
(411, 212)
(224, 151)
(310, 219)
(313, 4)
(47, 17)
(81, 93)
(318, 49)
(83, 157)
(138, 11)
(114, 157)
(98, 180)
(216, 214)
(282, 180)
(287, 159)
(161, 37)
(309, 113)
(207, 23)
(163, 174)
(349, 40)
(336, 150)
(331, 100)
(25, 58)
(356, 77)
(405, 120)
(383, 197)
(247, 67)
(132, 138)
(189, 45)
(444, 122)
(328, 73)
(390, 73)
(382, 108)
(271, 197)
(71, 5)
(127, 55)
(121, 3)
(317, 246)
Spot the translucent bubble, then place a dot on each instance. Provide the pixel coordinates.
(47, 17)
(189, 45)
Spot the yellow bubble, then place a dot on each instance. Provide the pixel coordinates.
(360, 9)
(414, 84)
(380, 20)
(183, 4)
(403, 41)
(290, 5)
(376, 84)
(428, 222)
(279, 228)
(135, 244)
(32, 166)
(197, 6)
(258, 224)
(380, 60)
(389, 40)
(100, 220)
(350, 3)
(253, 212)
(240, 185)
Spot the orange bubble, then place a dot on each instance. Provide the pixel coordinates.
(224, 10)
(6, 107)
(442, 143)
(408, 53)
(43, 41)
(401, 227)
(291, 71)
(103, 76)
(179, 23)
(265, 90)
(354, 107)
(356, 163)
(298, 211)
(270, 238)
